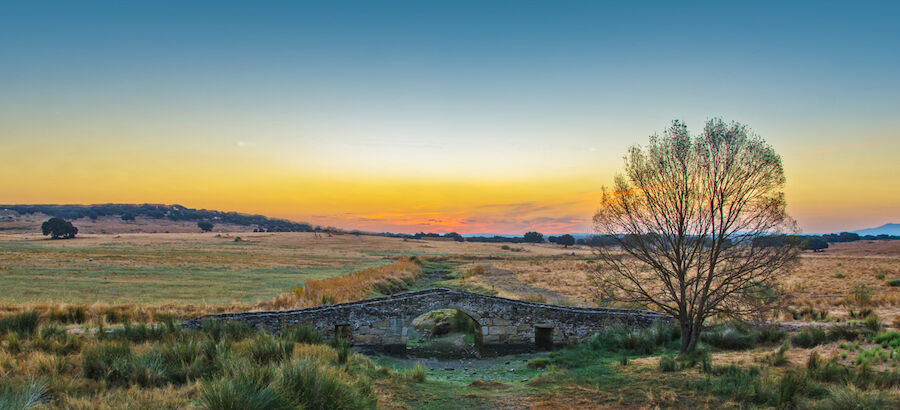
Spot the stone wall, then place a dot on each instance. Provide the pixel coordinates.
(504, 324)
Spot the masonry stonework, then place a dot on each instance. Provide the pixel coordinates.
(504, 324)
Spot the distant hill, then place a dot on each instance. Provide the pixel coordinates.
(146, 214)
(886, 229)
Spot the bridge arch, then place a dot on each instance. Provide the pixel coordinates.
(505, 324)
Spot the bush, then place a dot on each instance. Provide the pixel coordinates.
(23, 324)
(894, 282)
(809, 337)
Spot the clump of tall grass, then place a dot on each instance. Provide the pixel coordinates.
(266, 348)
(309, 385)
(810, 337)
(730, 338)
(851, 397)
(350, 287)
(24, 397)
(417, 373)
(302, 333)
(23, 324)
(225, 329)
(240, 394)
(637, 341)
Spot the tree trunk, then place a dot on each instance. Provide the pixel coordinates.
(690, 335)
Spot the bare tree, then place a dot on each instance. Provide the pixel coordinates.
(700, 225)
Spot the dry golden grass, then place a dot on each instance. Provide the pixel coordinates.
(823, 281)
(354, 286)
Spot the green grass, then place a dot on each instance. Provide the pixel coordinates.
(188, 284)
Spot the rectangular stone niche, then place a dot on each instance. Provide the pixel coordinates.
(543, 337)
(342, 332)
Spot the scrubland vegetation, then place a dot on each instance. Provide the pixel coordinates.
(80, 353)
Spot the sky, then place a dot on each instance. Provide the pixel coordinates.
(474, 117)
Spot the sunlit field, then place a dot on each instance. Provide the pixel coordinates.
(90, 323)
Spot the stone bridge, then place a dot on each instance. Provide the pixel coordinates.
(504, 325)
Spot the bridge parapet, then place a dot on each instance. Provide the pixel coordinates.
(503, 324)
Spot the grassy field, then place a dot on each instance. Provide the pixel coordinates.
(59, 351)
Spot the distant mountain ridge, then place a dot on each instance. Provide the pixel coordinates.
(886, 229)
(158, 211)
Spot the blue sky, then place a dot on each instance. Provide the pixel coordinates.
(402, 97)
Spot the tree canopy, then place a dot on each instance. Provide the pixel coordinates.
(59, 228)
(694, 218)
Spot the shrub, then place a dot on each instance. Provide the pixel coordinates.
(23, 324)
(666, 364)
(809, 337)
(894, 282)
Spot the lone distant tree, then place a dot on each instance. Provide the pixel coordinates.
(59, 228)
(533, 237)
(205, 226)
(566, 240)
(687, 214)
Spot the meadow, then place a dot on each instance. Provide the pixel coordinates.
(90, 323)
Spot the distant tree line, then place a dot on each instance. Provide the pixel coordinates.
(128, 212)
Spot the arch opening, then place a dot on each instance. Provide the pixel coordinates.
(444, 333)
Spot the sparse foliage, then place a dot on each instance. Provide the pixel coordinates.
(692, 217)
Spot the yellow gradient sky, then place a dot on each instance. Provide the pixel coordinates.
(462, 117)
